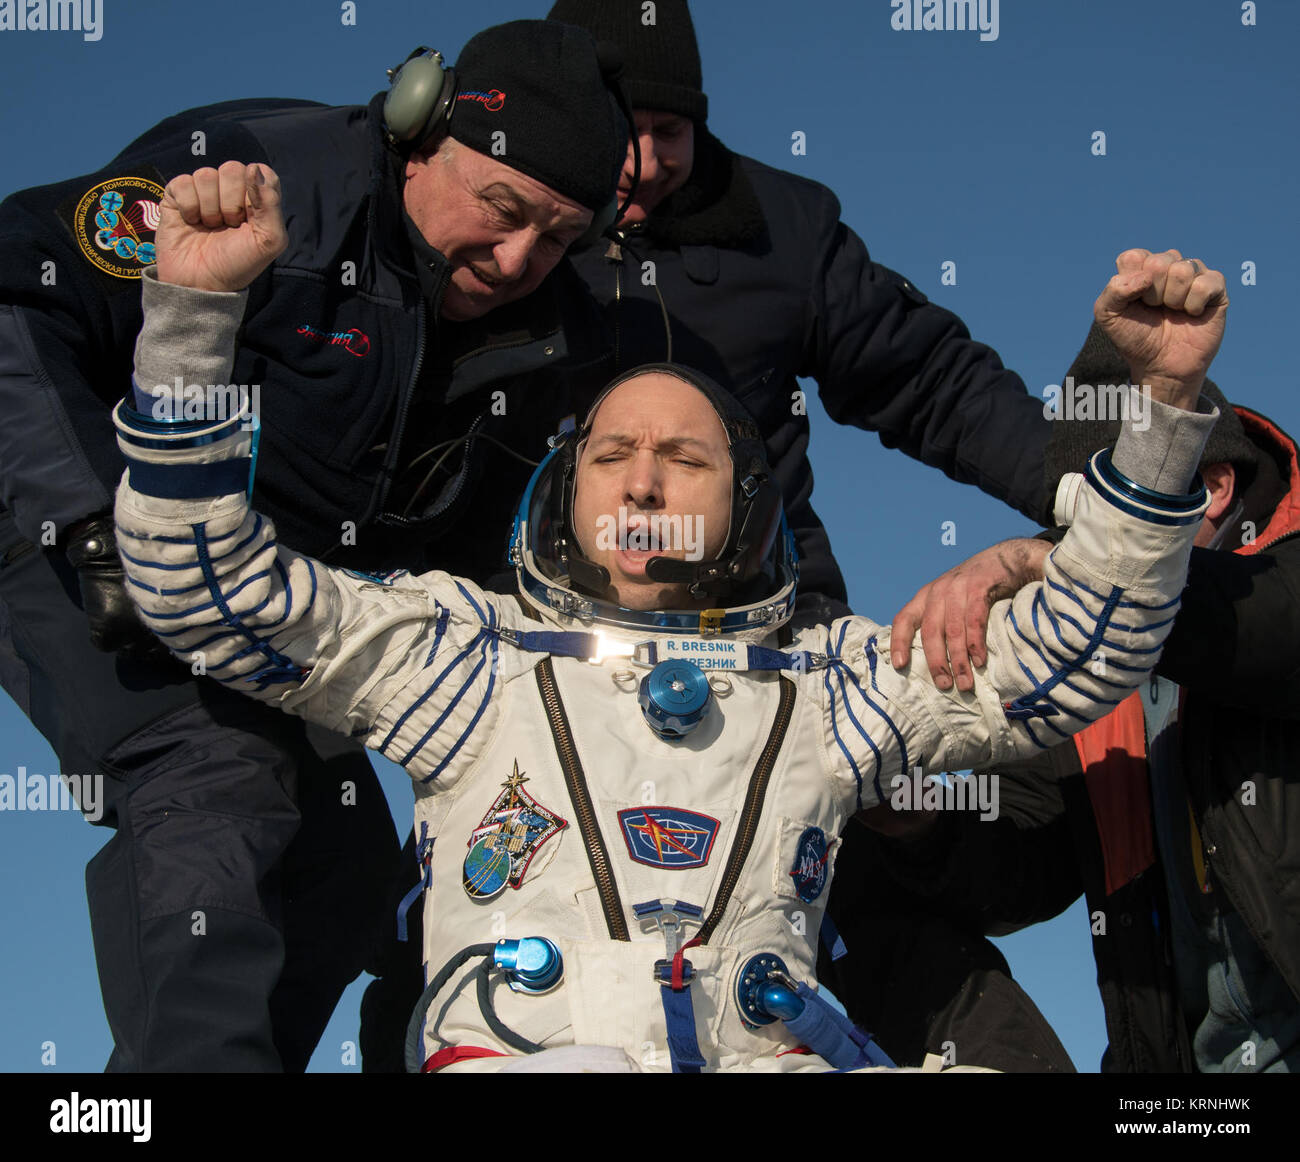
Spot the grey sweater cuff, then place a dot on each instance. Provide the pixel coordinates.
(1160, 446)
(186, 332)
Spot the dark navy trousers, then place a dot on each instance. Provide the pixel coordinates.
(247, 878)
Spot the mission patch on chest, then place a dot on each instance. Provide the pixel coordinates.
(503, 844)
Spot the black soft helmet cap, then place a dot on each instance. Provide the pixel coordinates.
(661, 53)
(747, 565)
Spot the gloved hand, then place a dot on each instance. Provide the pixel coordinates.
(115, 625)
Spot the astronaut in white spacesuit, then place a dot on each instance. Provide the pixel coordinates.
(630, 777)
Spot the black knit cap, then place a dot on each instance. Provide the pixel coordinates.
(661, 61)
(1074, 441)
(540, 84)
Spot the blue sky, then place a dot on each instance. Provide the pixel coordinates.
(942, 148)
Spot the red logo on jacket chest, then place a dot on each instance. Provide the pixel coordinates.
(354, 342)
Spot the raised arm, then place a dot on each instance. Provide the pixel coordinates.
(406, 662)
(1063, 651)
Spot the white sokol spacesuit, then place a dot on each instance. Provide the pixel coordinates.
(570, 792)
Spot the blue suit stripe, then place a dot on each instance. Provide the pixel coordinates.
(455, 701)
(473, 722)
(279, 667)
(835, 728)
(490, 625)
(483, 617)
(257, 528)
(218, 603)
(1067, 658)
(880, 712)
(189, 540)
(288, 596)
(1042, 690)
(835, 731)
(866, 737)
(1119, 605)
(439, 630)
(428, 693)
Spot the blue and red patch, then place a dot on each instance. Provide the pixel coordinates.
(668, 837)
(811, 856)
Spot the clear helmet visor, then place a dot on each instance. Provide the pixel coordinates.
(544, 552)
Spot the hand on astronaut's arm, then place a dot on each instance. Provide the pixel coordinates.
(952, 611)
(1165, 314)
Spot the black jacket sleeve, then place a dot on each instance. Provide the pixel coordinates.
(998, 875)
(1237, 637)
(68, 328)
(890, 361)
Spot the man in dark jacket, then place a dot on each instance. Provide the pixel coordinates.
(747, 272)
(762, 283)
(1178, 814)
(411, 340)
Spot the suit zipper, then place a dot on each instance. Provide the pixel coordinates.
(576, 781)
(753, 810)
(580, 796)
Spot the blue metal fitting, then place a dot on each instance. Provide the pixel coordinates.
(765, 992)
(531, 965)
(778, 1000)
(674, 697)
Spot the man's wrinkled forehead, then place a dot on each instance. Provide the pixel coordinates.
(490, 177)
(605, 420)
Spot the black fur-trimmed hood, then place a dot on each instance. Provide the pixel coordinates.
(716, 207)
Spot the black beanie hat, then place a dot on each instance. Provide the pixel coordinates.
(540, 84)
(661, 61)
(1073, 441)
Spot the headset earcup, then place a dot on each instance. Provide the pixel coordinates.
(421, 92)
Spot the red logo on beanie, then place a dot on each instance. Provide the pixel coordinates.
(493, 100)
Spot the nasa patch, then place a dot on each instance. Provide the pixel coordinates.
(114, 224)
(810, 858)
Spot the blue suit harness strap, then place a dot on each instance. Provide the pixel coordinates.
(424, 858)
(831, 1035)
(675, 974)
